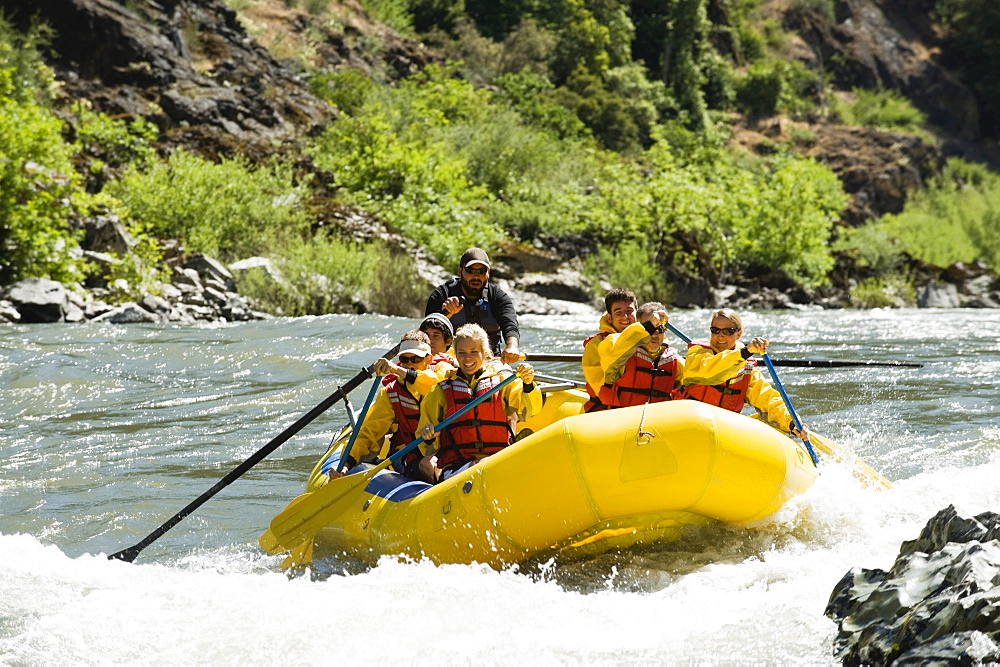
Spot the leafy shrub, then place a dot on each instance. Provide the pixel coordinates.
(884, 292)
(777, 86)
(632, 263)
(530, 95)
(114, 142)
(606, 114)
(345, 89)
(881, 109)
(37, 180)
(956, 218)
(324, 274)
(231, 209)
(412, 183)
(872, 247)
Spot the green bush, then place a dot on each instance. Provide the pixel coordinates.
(345, 89)
(530, 95)
(881, 109)
(777, 86)
(632, 263)
(38, 183)
(872, 247)
(957, 218)
(324, 274)
(114, 142)
(231, 210)
(884, 292)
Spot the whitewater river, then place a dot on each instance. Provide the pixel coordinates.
(106, 431)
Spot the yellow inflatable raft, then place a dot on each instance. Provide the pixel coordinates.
(579, 483)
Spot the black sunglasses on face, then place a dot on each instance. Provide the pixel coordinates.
(729, 331)
(477, 271)
(409, 359)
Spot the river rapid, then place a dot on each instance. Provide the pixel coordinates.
(107, 430)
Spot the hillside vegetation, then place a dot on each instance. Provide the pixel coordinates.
(604, 122)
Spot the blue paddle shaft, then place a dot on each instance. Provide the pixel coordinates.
(788, 404)
(449, 419)
(358, 423)
(678, 333)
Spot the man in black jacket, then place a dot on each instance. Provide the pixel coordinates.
(471, 298)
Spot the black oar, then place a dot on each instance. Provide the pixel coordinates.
(130, 554)
(793, 363)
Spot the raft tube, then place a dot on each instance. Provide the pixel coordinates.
(582, 484)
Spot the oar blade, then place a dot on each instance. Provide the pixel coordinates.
(858, 467)
(309, 513)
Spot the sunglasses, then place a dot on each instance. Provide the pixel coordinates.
(409, 359)
(477, 271)
(729, 331)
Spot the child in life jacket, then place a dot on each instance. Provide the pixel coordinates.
(639, 366)
(396, 408)
(486, 429)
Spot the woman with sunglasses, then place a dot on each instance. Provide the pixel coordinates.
(722, 371)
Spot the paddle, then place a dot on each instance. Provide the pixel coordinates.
(791, 408)
(356, 428)
(791, 363)
(130, 554)
(306, 515)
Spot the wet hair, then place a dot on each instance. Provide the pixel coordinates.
(648, 308)
(441, 323)
(418, 336)
(616, 295)
(730, 315)
(476, 333)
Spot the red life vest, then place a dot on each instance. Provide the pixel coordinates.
(407, 411)
(605, 396)
(646, 380)
(730, 395)
(481, 432)
(443, 358)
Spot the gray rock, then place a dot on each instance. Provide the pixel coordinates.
(938, 295)
(208, 267)
(155, 304)
(939, 603)
(106, 234)
(564, 285)
(39, 300)
(186, 279)
(8, 313)
(129, 313)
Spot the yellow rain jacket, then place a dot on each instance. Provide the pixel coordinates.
(593, 372)
(704, 365)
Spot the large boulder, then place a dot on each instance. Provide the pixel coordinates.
(39, 300)
(939, 604)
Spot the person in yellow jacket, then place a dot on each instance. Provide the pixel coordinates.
(620, 305)
(638, 365)
(486, 429)
(396, 408)
(722, 371)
